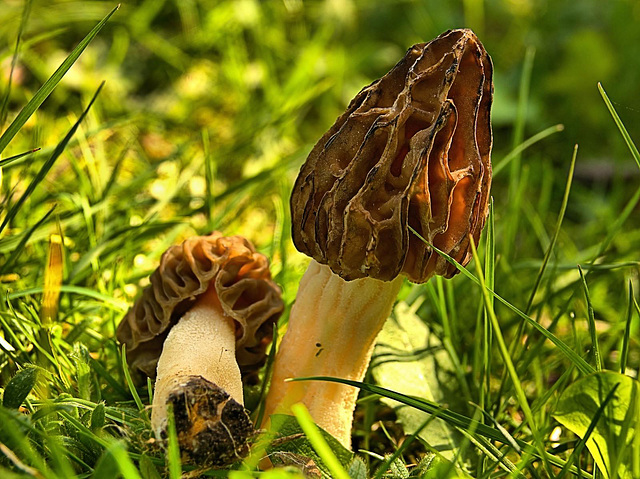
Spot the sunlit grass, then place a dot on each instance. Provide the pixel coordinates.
(207, 132)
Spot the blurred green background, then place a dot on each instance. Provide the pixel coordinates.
(210, 107)
(225, 65)
(266, 79)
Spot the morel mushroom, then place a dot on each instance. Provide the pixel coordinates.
(204, 323)
(412, 150)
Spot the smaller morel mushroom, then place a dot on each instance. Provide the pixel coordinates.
(202, 325)
(411, 151)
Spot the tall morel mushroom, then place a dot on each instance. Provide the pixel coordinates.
(201, 326)
(412, 150)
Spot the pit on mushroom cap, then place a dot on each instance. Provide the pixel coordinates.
(412, 150)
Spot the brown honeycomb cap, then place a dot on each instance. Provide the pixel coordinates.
(242, 281)
(412, 150)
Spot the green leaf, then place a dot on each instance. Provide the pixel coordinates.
(97, 417)
(358, 469)
(83, 371)
(291, 439)
(106, 467)
(396, 470)
(147, 469)
(46, 89)
(410, 359)
(612, 441)
(437, 467)
(19, 387)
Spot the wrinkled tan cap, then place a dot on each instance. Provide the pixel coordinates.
(412, 149)
(242, 281)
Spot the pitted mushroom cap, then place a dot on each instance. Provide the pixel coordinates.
(412, 149)
(243, 284)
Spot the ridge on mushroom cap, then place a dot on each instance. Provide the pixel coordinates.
(411, 150)
(243, 284)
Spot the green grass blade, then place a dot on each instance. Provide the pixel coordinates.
(15, 254)
(508, 363)
(453, 418)
(623, 131)
(624, 350)
(514, 153)
(577, 360)
(48, 164)
(173, 449)
(523, 96)
(124, 462)
(132, 388)
(5, 101)
(318, 442)
(487, 334)
(556, 232)
(592, 323)
(617, 225)
(11, 159)
(104, 374)
(209, 174)
(46, 89)
(384, 468)
(116, 304)
(516, 182)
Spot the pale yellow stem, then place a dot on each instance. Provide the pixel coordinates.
(332, 329)
(203, 343)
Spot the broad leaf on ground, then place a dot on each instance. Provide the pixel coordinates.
(614, 443)
(410, 359)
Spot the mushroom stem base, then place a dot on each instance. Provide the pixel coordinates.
(213, 429)
(202, 343)
(332, 330)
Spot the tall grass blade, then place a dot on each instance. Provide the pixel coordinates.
(623, 131)
(46, 89)
(14, 60)
(132, 388)
(209, 174)
(556, 232)
(506, 359)
(173, 449)
(15, 254)
(318, 442)
(487, 343)
(12, 159)
(124, 462)
(515, 170)
(517, 151)
(578, 361)
(595, 348)
(624, 350)
(48, 164)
